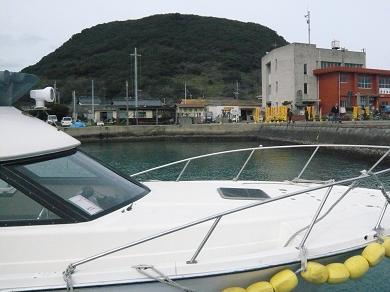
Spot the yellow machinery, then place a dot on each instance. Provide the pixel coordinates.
(355, 113)
(256, 116)
(276, 113)
(311, 113)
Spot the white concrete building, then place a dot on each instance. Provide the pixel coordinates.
(217, 110)
(287, 72)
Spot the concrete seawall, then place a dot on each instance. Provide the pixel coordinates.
(365, 134)
(147, 132)
(372, 133)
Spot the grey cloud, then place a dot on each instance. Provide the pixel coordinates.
(31, 38)
(10, 65)
(10, 40)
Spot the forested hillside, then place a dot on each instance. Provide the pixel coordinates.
(209, 54)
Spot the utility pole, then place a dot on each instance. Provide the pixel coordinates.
(307, 16)
(127, 103)
(185, 92)
(135, 83)
(236, 92)
(339, 97)
(55, 91)
(74, 105)
(93, 102)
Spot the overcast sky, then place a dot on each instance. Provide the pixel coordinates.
(30, 29)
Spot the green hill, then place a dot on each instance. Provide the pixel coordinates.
(207, 53)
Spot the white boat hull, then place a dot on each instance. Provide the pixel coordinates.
(243, 248)
(216, 282)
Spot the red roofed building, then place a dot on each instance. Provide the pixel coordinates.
(352, 87)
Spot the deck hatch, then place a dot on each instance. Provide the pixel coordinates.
(242, 194)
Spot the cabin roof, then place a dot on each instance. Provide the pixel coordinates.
(24, 136)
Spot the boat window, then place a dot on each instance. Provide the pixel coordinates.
(242, 194)
(16, 206)
(83, 182)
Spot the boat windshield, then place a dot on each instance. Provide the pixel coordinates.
(83, 182)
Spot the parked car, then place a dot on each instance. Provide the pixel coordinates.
(51, 119)
(66, 121)
(209, 117)
(100, 123)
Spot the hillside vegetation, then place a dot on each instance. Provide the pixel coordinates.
(209, 54)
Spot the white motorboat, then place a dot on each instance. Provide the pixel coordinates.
(68, 221)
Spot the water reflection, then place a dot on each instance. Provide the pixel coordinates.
(281, 164)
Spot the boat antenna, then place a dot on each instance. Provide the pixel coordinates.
(307, 16)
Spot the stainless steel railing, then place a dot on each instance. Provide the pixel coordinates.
(217, 217)
(260, 148)
(352, 186)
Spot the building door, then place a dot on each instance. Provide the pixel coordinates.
(103, 116)
(244, 115)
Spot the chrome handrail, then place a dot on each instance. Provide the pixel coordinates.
(259, 148)
(245, 163)
(307, 164)
(182, 171)
(352, 186)
(216, 217)
(193, 259)
(313, 221)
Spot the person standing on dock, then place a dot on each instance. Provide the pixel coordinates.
(306, 115)
(335, 112)
(289, 115)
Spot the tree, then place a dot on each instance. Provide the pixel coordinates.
(60, 110)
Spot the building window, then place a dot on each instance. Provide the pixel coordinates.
(343, 77)
(276, 65)
(305, 88)
(276, 86)
(384, 82)
(268, 68)
(352, 65)
(142, 114)
(325, 64)
(305, 69)
(364, 81)
(364, 101)
(269, 88)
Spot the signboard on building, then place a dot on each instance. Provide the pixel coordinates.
(384, 90)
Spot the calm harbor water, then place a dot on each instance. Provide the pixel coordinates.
(132, 157)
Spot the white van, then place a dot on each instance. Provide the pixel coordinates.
(52, 119)
(66, 121)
